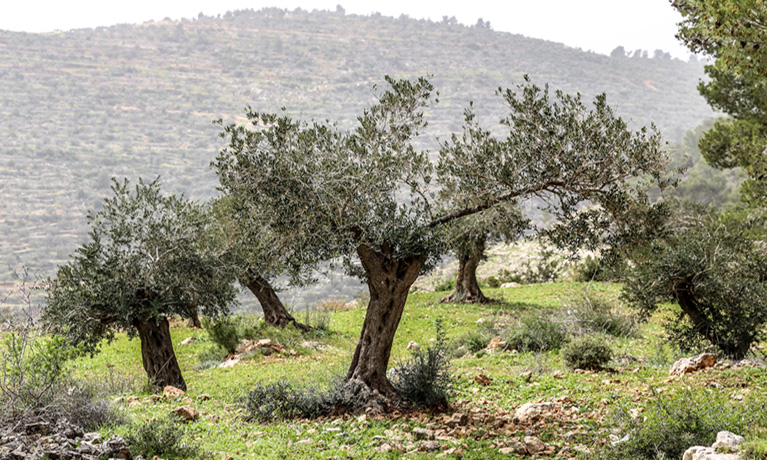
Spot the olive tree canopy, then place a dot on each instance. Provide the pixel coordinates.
(149, 256)
(368, 196)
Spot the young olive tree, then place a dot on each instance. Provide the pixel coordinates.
(256, 257)
(369, 196)
(150, 256)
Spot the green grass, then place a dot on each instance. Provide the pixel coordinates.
(516, 378)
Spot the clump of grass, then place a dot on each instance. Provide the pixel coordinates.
(536, 332)
(599, 315)
(281, 400)
(162, 437)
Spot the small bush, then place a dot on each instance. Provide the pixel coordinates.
(160, 437)
(534, 332)
(493, 282)
(587, 352)
(210, 356)
(598, 315)
(425, 378)
(318, 317)
(675, 422)
(224, 332)
(281, 400)
(446, 285)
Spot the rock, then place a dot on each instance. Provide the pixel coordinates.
(188, 413)
(509, 285)
(495, 345)
(93, 438)
(687, 365)
(171, 392)
(481, 320)
(116, 447)
(531, 412)
(748, 363)
(265, 343)
(534, 445)
(203, 397)
(727, 442)
(483, 380)
(725, 448)
(413, 346)
(430, 446)
(41, 428)
(229, 363)
(423, 433)
(458, 419)
(188, 341)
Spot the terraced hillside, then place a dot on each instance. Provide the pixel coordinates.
(80, 107)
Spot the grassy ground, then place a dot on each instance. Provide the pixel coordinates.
(588, 400)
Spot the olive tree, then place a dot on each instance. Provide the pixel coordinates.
(149, 256)
(470, 236)
(368, 196)
(257, 259)
(714, 271)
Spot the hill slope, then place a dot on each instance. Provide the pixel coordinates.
(82, 106)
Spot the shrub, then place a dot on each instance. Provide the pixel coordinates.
(445, 285)
(281, 400)
(225, 332)
(672, 423)
(587, 352)
(493, 282)
(425, 378)
(596, 269)
(534, 332)
(210, 356)
(596, 314)
(161, 437)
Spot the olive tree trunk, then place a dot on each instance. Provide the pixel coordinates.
(389, 280)
(275, 313)
(466, 286)
(157, 353)
(737, 346)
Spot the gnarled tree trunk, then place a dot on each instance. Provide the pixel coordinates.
(466, 286)
(275, 313)
(157, 353)
(736, 347)
(389, 280)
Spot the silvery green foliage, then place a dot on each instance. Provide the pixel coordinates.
(322, 191)
(148, 255)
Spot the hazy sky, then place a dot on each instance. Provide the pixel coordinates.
(597, 25)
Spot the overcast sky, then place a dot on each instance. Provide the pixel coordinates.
(596, 25)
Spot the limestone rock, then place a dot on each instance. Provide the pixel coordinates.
(171, 392)
(188, 413)
(458, 419)
(230, 363)
(188, 341)
(727, 442)
(531, 412)
(534, 445)
(509, 285)
(483, 380)
(687, 365)
(423, 433)
(413, 346)
(725, 448)
(495, 345)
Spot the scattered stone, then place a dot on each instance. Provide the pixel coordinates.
(483, 380)
(688, 365)
(413, 346)
(495, 345)
(531, 412)
(534, 445)
(509, 285)
(423, 433)
(229, 363)
(304, 441)
(458, 419)
(41, 428)
(748, 363)
(203, 397)
(188, 341)
(481, 320)
(725, 448)
(430, 446)
(187, 413)
(171, 392)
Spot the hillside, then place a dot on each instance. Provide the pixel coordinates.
(82, 106)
